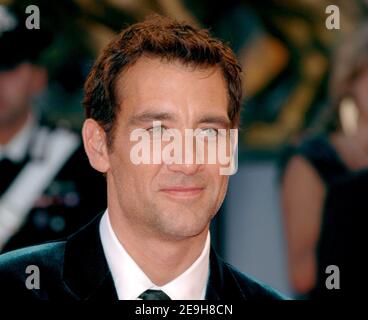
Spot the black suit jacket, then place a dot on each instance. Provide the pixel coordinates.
(76, 269)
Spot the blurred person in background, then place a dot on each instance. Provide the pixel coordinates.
(325, 183)
(47, 188)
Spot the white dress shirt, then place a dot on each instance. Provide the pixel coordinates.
(130, 281)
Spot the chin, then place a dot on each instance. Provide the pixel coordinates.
(184, 224)
(180, 233)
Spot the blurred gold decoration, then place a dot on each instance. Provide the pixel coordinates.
(262, 59)
(176, 9)
(313, 66)
(6, 2)
(136, 8)
(99, 35)
(296, 30)
(130, 6)
(312, 62)
(89, 5)
(292, 115)
(271, 136)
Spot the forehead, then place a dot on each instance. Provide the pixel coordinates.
(152, 84)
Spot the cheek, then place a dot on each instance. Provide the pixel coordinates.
(220, 184)
(363, 101)
(15, 92)
(361, 94)
(224, 184)
(217, 182)
(135, 179)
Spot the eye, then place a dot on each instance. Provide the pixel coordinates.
(208, 132)
(157, 130)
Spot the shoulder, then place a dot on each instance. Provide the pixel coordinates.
(45, 250)
(251, 288)
(300, 165)
(321, 155)
(47, 257)
(301, 175)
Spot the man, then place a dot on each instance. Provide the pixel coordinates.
(44, 171)
(153, 240)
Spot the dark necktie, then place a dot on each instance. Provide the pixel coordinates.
(154, 295)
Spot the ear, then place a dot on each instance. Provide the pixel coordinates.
(94, 140)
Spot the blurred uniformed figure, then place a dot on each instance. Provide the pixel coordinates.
(47, 187)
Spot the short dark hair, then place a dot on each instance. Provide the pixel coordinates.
(165, 38)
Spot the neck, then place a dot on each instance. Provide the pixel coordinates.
(9, 130)
(162, 260)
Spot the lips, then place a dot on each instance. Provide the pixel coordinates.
(183, 192)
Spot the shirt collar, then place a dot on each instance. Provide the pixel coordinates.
(130, 281)
(16, 149)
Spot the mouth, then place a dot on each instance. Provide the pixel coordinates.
(183, 192)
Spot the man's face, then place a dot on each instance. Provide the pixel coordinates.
(16, 91)
(172, 200)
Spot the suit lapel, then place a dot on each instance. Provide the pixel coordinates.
(87, 275)
(86, 272)
(222, 284)
(215, 281)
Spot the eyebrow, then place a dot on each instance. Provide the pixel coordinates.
(221, 120)
(150, 116)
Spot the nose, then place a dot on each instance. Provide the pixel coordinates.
(187, 169)
(185, 162)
